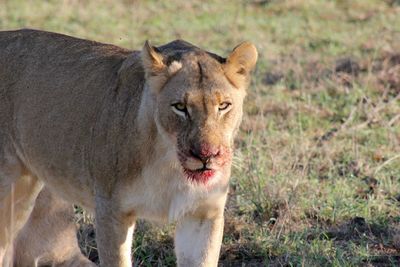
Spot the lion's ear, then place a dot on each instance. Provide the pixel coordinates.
(155, 70)
(239, 64)
(152, 60)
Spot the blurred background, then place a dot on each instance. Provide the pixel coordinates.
(316, 178)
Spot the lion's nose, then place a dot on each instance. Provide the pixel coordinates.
(204, 152)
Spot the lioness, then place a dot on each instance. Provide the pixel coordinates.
(126, 134)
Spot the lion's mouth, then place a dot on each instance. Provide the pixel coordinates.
(203, 170)
(202, 175)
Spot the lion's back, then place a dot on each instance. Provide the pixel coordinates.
(51, 90)
(39, 67)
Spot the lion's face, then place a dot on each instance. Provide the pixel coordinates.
(199, 109)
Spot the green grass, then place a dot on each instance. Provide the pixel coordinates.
(316, 179)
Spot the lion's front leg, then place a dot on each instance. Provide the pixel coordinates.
(114, 232)
(198, 241)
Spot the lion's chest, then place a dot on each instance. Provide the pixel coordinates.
(162, 193)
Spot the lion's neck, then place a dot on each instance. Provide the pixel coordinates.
(151, 141)
(145, 118)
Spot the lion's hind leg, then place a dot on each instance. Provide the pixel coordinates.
(49, 237)
(18, 192)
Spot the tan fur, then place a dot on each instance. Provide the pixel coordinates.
(49, 236)
(99, 126)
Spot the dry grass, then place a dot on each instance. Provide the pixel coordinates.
(316, 179)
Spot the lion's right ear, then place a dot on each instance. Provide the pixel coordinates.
(152, 60)
(155, 70)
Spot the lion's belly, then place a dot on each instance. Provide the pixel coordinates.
(72, 191)
(73, 187)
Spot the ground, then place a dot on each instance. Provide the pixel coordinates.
(316, 177)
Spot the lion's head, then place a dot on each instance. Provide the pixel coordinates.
(199, 98)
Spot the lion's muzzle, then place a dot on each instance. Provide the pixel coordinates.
(201, 163)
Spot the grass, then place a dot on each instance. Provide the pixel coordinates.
(316, 179)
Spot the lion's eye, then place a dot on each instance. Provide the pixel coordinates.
(180, 106)
(224, 106)
(180, 109)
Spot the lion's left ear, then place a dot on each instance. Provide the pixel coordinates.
(239, 64)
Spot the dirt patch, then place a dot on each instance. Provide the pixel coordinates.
(347, 169)
(347, 65)
(387, 69)
(271, 78)
(242, 254)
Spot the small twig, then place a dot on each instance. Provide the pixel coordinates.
(386, 163)
(349, 118)
(360, 126)
(393, 120)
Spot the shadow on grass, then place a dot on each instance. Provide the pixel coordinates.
(363, 243)
(355, 241)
